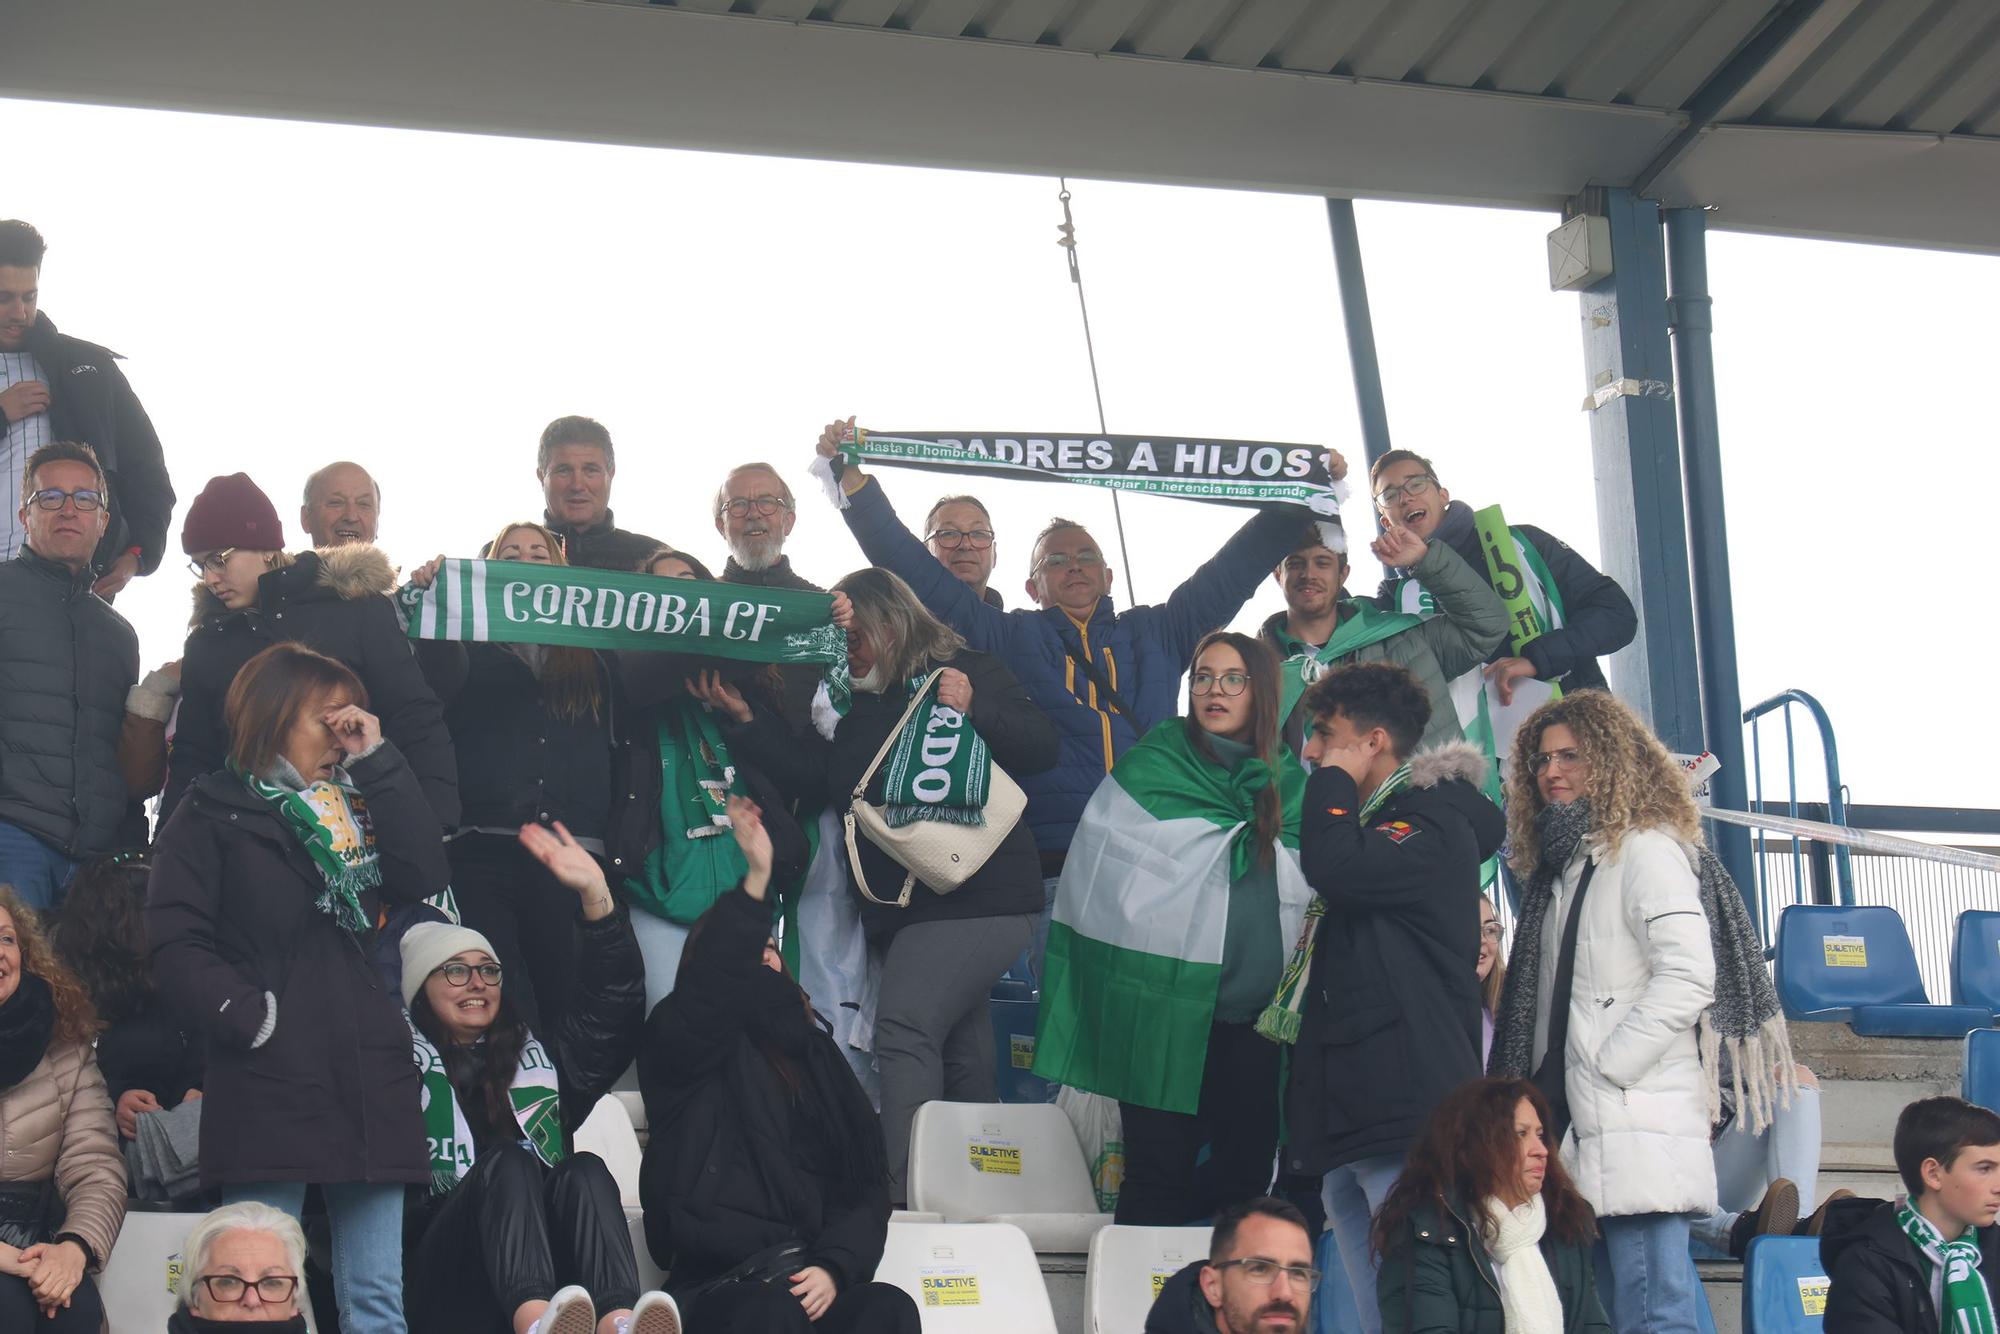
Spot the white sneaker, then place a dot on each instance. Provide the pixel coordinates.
(655, 1314)
(570, 1312)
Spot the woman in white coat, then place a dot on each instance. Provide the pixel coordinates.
(1611, 971)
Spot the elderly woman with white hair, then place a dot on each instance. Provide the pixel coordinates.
(244, 1266)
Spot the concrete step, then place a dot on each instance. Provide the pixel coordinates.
(1722, 1282)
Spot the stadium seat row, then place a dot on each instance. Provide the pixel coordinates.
(1857, 966)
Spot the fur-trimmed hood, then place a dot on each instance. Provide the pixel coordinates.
(354, 571)
(1453, 759)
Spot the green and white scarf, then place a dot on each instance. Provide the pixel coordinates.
(331, 820)
(1305, 665)
(1967, 1307)
(692, 867)
(537, 1111)
(939, 769)
(1281, 1018)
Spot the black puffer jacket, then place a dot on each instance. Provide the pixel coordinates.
(1018, 734)
(330, 601)
(518, 762)
(332, 1095)
(602, 545)
(91, 401)
(1878, 1286)
(728, 1172)
(1391, 1019)
(1181, 1307)
(66, 661)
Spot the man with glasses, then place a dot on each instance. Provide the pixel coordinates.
(1585, 613)
(243, 1265)
(959, 532)
(1103, 676)
(575, 465)
(66, 662)
(754, 512)
(55, 387)
(1258, 1279)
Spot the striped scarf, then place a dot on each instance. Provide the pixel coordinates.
(1954, 1266)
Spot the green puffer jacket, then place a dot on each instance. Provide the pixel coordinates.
(1439, 1280)
(1470, 624)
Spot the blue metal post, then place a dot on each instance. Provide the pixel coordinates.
(1689, 315)
(1636, 455)
(1360, 328)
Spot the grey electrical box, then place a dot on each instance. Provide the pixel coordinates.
(1580, 253)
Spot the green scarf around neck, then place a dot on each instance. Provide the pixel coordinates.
(330, 820)
(696, 861)
(1305, 664)
(1967, 1305)
(534, 1094)
(1281, 1018)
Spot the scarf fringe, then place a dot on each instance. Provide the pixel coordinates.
(1773, 1077)
(898, 816)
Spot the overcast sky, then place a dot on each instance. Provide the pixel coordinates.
(289, 294)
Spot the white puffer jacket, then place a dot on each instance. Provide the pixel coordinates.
(1638, 1141)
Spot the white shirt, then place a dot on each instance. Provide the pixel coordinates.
(21, 439)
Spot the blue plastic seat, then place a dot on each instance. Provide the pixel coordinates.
(1784, 1286)
(1014, 1051)
(1856, 965)
(1975, 960)
(1981, 1081)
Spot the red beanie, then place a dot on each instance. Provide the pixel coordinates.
(232, 512)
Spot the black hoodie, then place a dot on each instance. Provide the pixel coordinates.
(1879, 1285)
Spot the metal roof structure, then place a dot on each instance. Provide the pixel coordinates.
(1873, 120)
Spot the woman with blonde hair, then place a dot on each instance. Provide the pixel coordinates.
(1612, 970)
(62, 1182)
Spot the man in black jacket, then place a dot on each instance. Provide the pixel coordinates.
(1929, 1261)
(575, 466)
(54, 387)
(66, 663)
(1391, 838)
(1587, 613)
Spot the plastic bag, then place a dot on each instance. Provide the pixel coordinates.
(1101, 1132)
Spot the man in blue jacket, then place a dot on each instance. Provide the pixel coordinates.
(1103, 676)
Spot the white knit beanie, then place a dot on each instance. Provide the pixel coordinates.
(428, 944)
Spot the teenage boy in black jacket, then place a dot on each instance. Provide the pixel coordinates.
(1391, 838)
(1893, 1268)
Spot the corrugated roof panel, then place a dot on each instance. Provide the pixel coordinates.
(1321, 44)
(1250, 34)
(1907, 73)
(942, 18)
(863, 13)
(1099, 25)
(1404, 35)
(1986, 120)
(1682, 71)
(1173, 30)
(1023, 20)
(1971, 77)
(1547, 46)
(704, 6)
(1465, 56)
(1832, 71)
(785, 9)
(1627, 52)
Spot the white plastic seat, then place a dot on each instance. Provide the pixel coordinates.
(913, 1216)
(138, 1280)
(1017, 1163)
(607, 1132)
(635, 1108)
(1127, 1266)
(968, 1278)
(650, 1276)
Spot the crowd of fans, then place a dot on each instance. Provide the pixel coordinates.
(409, 911)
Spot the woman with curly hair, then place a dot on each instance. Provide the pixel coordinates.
(1612, 969)
(62, 1183)
(1484, 1232)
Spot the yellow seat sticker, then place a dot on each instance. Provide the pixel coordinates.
(949, 1287)
(996, 1156)
(1021, 1050)
(1812, 1294)
(1845, 951)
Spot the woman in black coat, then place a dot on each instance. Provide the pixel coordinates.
(266, 886)
(765, 1185)
(514, 1211)
(253, 595)
(942, 953)
(533, 727)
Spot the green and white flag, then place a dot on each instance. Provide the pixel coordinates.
(1233, 472)
(1135, 950)
(512, 602)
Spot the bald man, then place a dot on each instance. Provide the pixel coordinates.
(342, 505)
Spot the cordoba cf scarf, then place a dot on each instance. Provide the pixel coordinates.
(537, 1110)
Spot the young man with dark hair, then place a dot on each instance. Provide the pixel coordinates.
(57, 388)
(575, 465)
(68, 661)
(1258, 1278)
(1927, 1261)
(1386, 998)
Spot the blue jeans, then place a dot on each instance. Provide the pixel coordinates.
(1644, 1277)
(367, 1222)
(660, 946)
(36, 871)
(1353, 1192)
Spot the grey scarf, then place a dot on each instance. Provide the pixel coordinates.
(1743, 1029)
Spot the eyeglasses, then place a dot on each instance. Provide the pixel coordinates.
(977, 538)
(458, 974)
(1568, 758)
(740, 507)
(1491, 931)
(271, 1289)
(52, 498)
(212, 563)
(1228, 685)
(1058, 561)
(1413, 488)
(1264, 1273)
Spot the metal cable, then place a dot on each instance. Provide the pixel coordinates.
(1067, 240)
(1865, 839)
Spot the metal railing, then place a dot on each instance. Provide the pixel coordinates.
(1834, 805)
